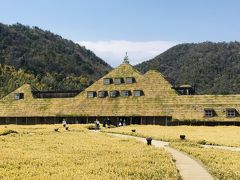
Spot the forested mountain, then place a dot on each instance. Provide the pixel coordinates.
(44, 59)
(213, 68)
(49, 62)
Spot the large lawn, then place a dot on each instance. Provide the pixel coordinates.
(222, 164)
(218, 135)
(38, 152)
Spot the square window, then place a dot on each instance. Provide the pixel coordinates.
(91, 94)
(129, 80)
(208, 112)
(113, 94)
(107, 81)
(137, 93)
(231, 112)
(102, 94)
(18, 96)
(118, 81)
(125, 93)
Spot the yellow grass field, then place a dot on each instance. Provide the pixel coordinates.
(38, 152)
(222, 164)
(217, 135)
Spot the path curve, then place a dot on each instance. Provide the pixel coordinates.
(189, 168)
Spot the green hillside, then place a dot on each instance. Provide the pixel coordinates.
(45, 59)
(213, 68)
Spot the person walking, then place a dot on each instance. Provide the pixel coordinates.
(64, 122)
(104, 122)
(108, 123)
(97, 124)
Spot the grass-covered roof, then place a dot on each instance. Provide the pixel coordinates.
(158, 99)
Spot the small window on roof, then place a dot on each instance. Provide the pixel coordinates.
(129, 80)
(137, 93)
(113, 94)
(209, 112)
(18, 96)
(102, 94)
(91, 94)
(231, 112)
(125, 93)
(118, 80)
(107, 81)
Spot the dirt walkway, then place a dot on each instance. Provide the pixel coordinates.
(222, 147)
(189, 168)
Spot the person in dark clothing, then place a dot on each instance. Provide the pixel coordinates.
(108, 122)
(104, 122)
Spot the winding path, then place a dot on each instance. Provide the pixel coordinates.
(189, 168)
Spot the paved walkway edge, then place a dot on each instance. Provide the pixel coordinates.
(189, 168)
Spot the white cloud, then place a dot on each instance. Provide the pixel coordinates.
(113, 51)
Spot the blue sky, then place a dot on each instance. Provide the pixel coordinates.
(144, 28)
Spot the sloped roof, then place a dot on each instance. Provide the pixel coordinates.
(155, 87)
(159, 99)
(153, 84)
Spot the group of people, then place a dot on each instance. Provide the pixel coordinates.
(122, 122)
(107, 123)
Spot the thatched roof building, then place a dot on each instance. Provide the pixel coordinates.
(124, 93)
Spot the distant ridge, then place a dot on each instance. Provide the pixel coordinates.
(213, 68)
(45, 60)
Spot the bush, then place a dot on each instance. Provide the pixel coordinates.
(202, 142)
(6, 132)
(91, 127)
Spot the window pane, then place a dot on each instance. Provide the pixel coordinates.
(113, 93)
(129, 80)
(18, 96)
(107, 81)
(137, 93)
(208, 113)
(102, 94)
(231, 113)
(117, 80)
(90, 94)
(125, 93)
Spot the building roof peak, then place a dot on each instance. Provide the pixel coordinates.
(126, 60)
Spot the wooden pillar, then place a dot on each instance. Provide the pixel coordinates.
(154, 120)
(87, 120)
(26, 120)
(131, 120)
(16, 120)
(166, 121)
(35, 120)
(141, 120)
